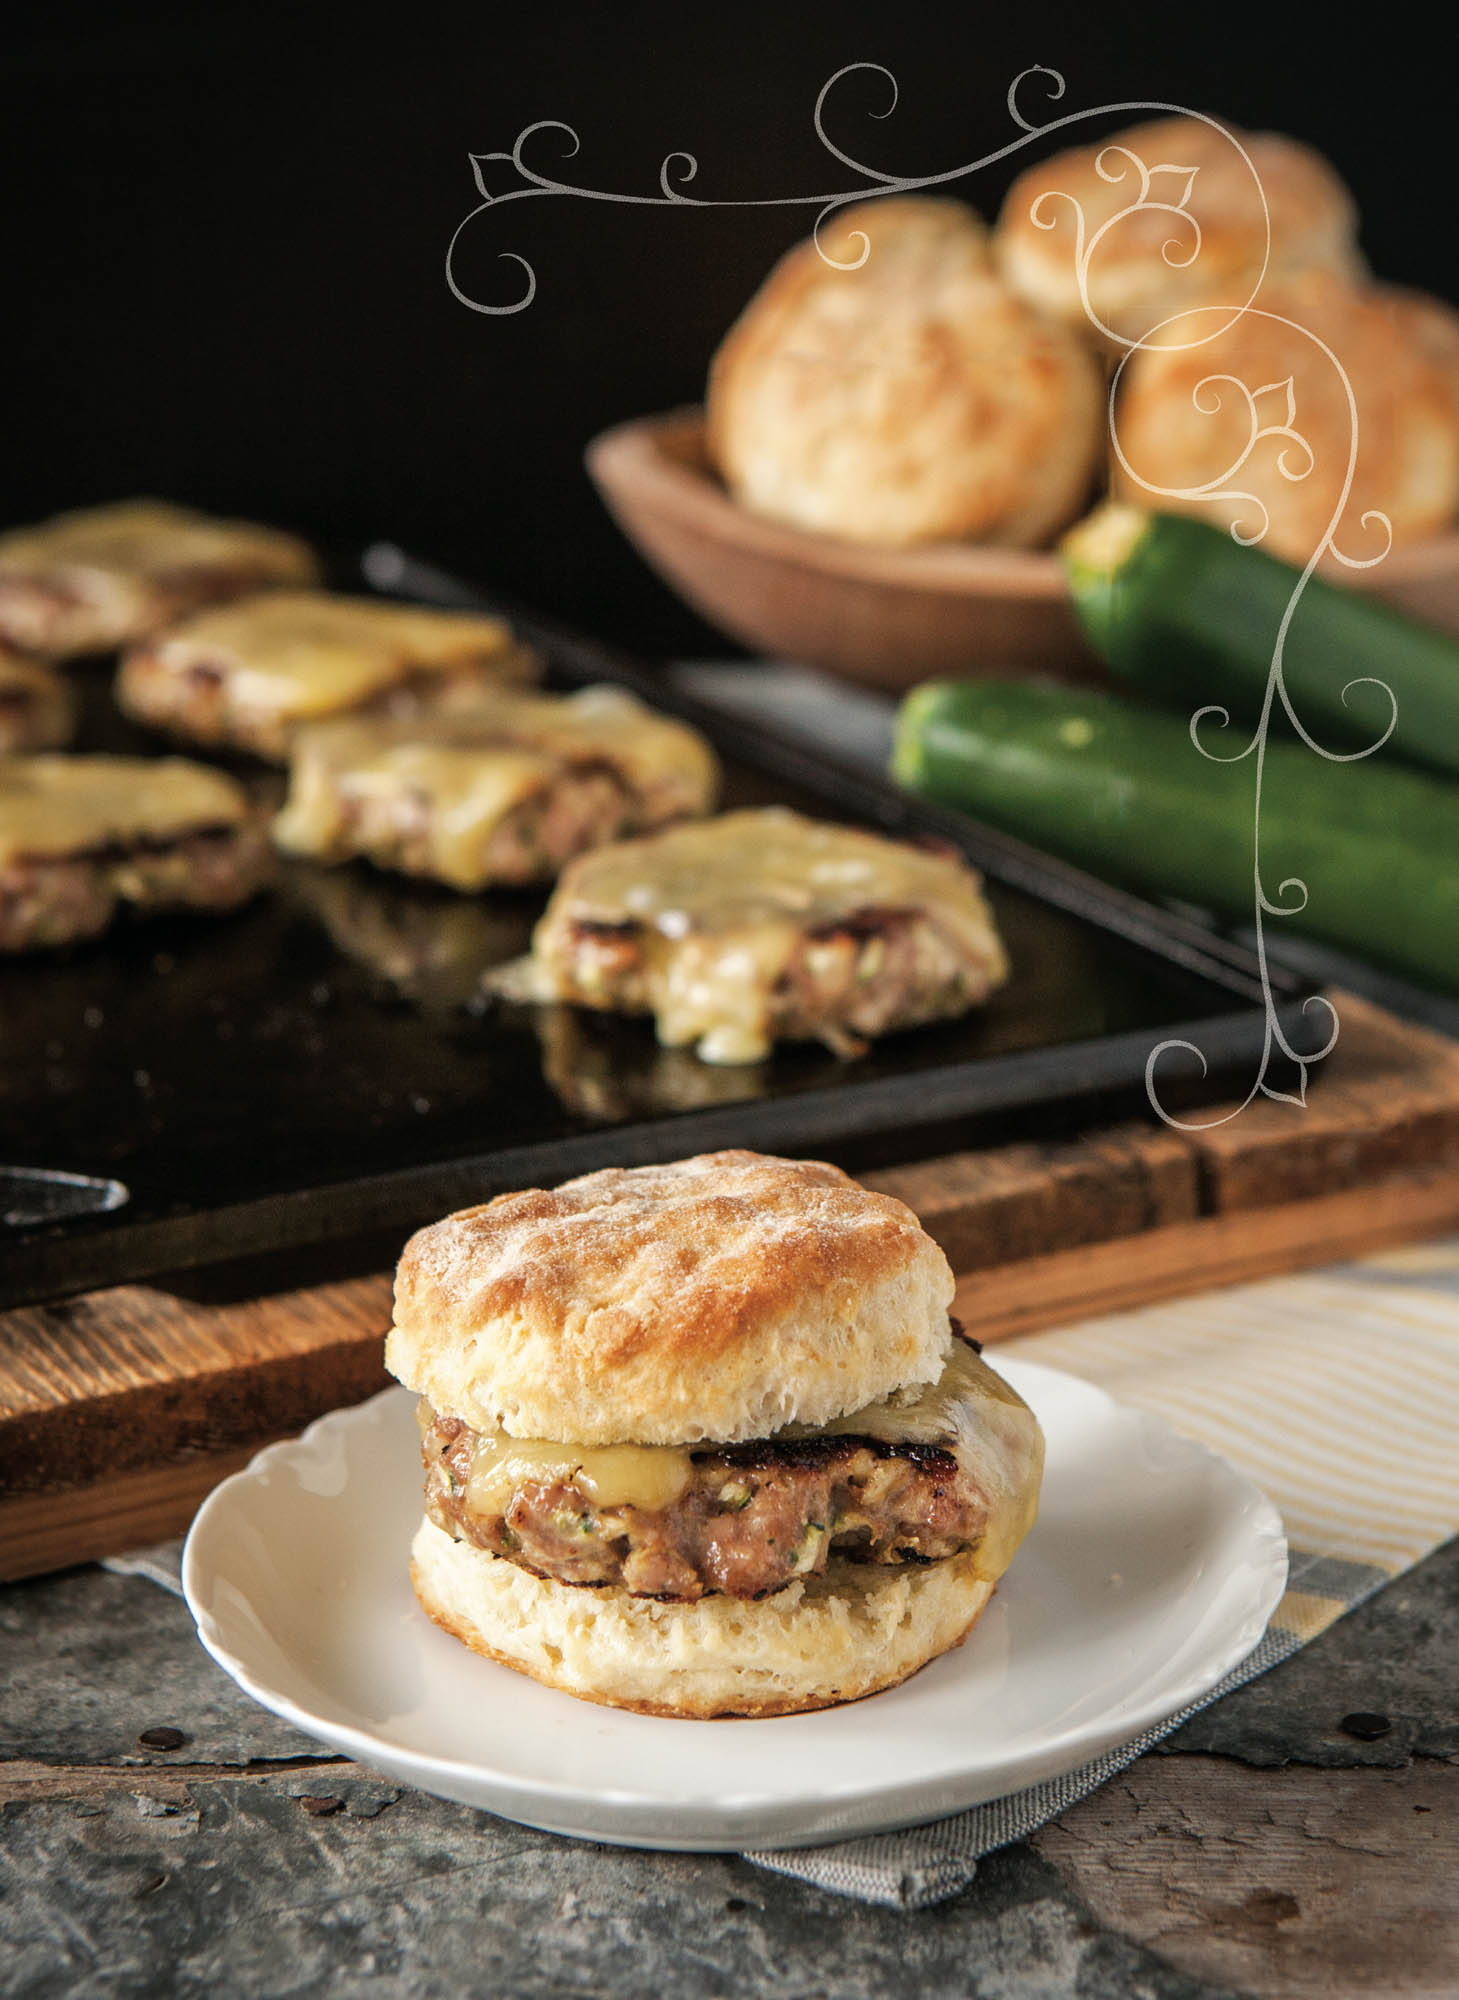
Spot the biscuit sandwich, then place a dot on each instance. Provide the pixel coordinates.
(702, 1439)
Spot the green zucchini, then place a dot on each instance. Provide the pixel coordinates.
(1184, 614)
(1122, 790)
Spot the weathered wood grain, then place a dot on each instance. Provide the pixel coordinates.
(1214, 1250)
(1385, 1099)
(998, 1207)
(1304, 1885)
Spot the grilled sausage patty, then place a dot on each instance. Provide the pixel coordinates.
(752, 1518)
(55, 900)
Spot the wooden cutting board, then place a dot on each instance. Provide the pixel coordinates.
(120, 1409)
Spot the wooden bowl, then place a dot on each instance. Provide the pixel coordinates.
(886, 617)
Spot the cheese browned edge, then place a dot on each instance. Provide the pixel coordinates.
(37, 706)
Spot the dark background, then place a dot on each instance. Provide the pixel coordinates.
(226, 231)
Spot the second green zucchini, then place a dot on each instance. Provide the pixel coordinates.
(1122, 790)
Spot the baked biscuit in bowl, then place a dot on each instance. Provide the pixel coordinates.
(1182, 419)
(1213, 215)
(907, 398)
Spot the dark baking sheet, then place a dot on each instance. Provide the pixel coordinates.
(313, 1069)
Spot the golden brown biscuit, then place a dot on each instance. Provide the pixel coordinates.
(763, 926)
(106, 576)
(505, 792)
(81, 836)
(250, 674)
(1179, 427)
(717, 1297)
(1152, 264)
(831, 1638)
(913, 399)
(1429, 324)
(37, 708)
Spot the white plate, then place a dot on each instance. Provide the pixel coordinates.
(1153, 1570)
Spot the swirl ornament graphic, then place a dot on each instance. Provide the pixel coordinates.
(1271, 408)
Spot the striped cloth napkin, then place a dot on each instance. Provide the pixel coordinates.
(1338, 1392)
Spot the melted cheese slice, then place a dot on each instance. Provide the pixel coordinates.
(466, 794)
(722, 906)
(664, 762)
(970, 1411)
(467, 770)
(995, 1437)
(51, 807)
(616, 1475)
(293, 655)
(145, 540)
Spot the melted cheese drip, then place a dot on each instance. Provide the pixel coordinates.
(141, 538)
(473, 766)
(54, 806)
(466, 795)
(724, 903)
(990, 1430)
(969, 1411)
(294, 654)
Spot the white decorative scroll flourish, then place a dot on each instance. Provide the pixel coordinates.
(679, 169)
(1164, 188)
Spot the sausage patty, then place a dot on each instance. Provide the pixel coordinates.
(751, 1519)
(55, 900)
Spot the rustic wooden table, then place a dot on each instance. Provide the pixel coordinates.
(1261, 1850)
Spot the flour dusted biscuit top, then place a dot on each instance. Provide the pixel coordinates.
(717, 1297)
(251, 673)
(912, 398)
(106, 576)
(505, 790)
(764, 925)
(1150, 264)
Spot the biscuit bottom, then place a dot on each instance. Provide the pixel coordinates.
(832, 1638)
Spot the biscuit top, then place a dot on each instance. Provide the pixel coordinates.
(1151, 262)
(1175, 432)
(149, 540)
(303, 653)
(907, 398)
(56, 806)
(715, 1298)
